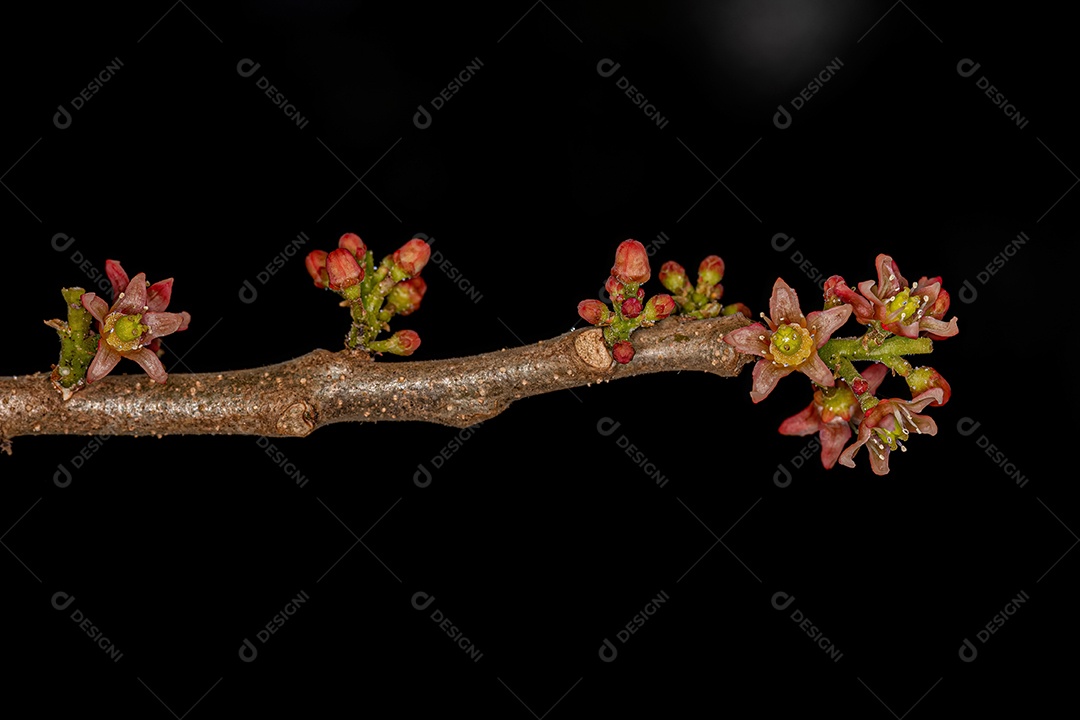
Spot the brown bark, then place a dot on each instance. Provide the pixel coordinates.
(294, 398)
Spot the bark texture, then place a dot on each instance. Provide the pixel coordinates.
(293, 398)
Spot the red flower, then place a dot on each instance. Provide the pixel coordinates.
(631, 307)
(887, 427)
(594, 312)
(659, 307)
(830, 413)
(711, 270)
(315, 262)
(789, 343)
(622, 351)
(406, 295)
(673, 277)
(342, 269)
(412, 256)
(905, 310)
(157, 296)
(130, 328)
(631, 263)
(837, 293)
(353, 243)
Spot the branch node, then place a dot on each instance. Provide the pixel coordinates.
(592, 350)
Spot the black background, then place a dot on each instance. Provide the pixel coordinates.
(538, 537)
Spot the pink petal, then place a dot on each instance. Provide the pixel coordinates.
(784, 304)
(867, 288)
(847, 458)
(908, 330)
(823, 323)
(150, 364)
(187, 320)
(103, 362)
(937, 329)
(766, 375)
(879, 463)
(158, 295)
(117, 277)
(833, 438)
(134, 299)
(95, 306)
(162, 323)
(890, 281)
(806, 422)
(748, 339)
(816, 369)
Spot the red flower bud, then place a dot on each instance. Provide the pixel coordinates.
(859, 386)
(631, 307)
(940, 306)
(614, 289)
(593, 312)
(631, 262)
(353, 243)
(412, 256)
(924, 378)
(315, 262)
(736, 308)
(659, 307)
(343, 270)
(711, 270)
(673, 277)
(623, 351)
(404, 342)
(406, 295)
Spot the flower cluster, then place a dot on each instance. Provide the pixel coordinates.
(629, 309)
(701, 300)
(132, 326)
(374, 295)
(901, 320)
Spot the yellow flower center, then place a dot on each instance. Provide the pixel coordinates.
(791, 344)
(123, 332)
(903, 304)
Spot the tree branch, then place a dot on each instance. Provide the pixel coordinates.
(293, 398)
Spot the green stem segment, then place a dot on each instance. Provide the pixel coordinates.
(853, 349)
(78, 341)
(838, 354)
